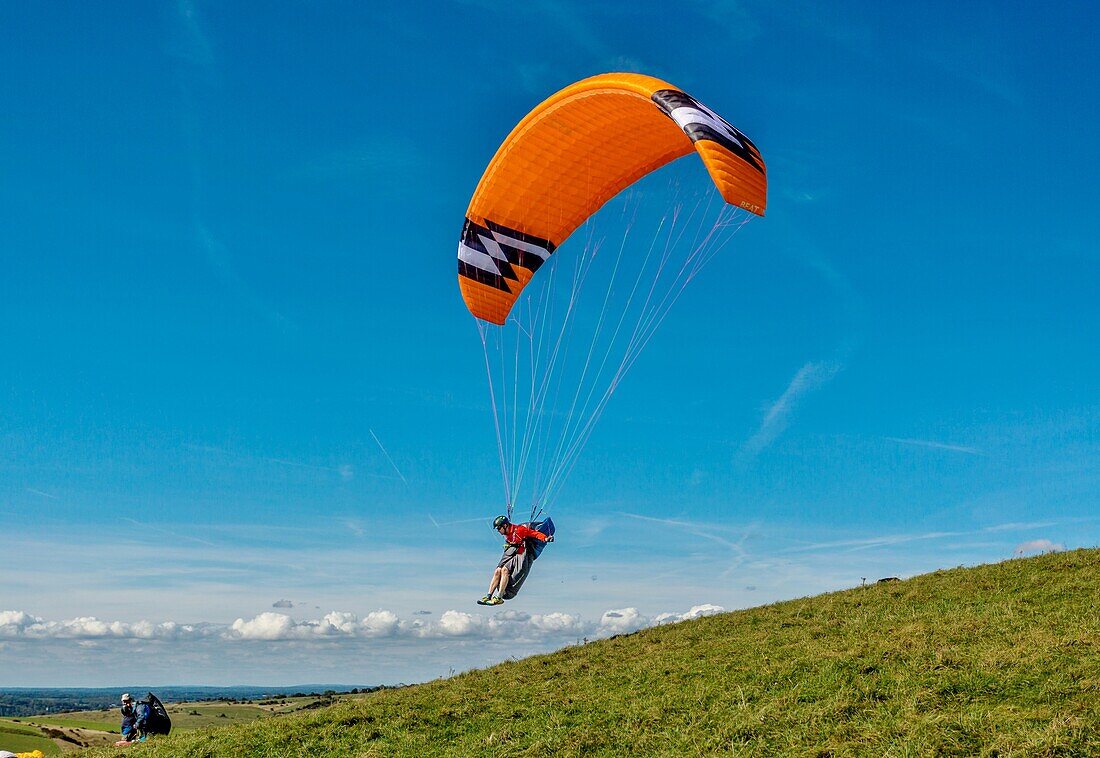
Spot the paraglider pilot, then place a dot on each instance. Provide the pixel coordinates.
(129, 718)
(514, 564)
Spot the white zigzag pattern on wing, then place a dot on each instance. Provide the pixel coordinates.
(477, 259)
(687, 115)
(527, 247)
(492, 247)
(487, 261)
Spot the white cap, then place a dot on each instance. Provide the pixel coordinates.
(125, 697)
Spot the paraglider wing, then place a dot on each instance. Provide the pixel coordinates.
(573, 153)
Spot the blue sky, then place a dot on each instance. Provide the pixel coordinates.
(235, 368)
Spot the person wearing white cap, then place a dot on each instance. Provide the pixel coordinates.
(129, 718)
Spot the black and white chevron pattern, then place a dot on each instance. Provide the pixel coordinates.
(699, 122)
(487, 253)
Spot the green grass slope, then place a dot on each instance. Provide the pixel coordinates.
(185, 716)
(996, 660)
(16, 738)
(66, 731)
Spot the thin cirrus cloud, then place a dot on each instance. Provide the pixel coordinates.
(383, 624)
(1024, 548)
(706, 530)
(776, 420)
(190, 41)
(933, 445)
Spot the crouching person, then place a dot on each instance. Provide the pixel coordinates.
(129, 719)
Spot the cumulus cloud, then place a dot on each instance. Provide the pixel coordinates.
(623, 620)
(697, 611)
(14, 621)
(269, 626)
(283, 604)
(266, 626)
(380, 624)
(279, 626)
(1033, 547)
(626, 620)
(23, 625)
(458, 624)
(512, 625)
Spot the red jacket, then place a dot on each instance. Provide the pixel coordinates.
(517, 533)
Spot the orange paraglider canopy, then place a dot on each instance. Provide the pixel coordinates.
(573, 153)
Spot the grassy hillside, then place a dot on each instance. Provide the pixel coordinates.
(996, 660)
(68, 731)
(18, 738)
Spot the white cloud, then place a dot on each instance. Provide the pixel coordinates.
(380, 624)
(278, 626)
(15, 623)
(273, 627)
(625, 620)
(19, 624)
(622, 621)
(266, 626)
(457, 624)
(1038, 546)
(696, 611)
(556, 622)
(511, 625)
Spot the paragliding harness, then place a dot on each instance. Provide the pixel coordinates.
(536, 546)
(533, 547)
(156, 719)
